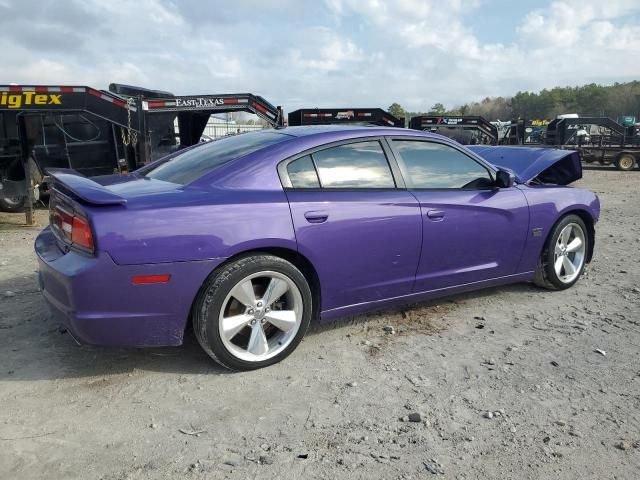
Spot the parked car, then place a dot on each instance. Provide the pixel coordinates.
(253, 236)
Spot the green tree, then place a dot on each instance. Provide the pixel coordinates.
(438, 109)
(590, 100)
(397, 111)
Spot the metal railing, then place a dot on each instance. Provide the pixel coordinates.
(215, 130)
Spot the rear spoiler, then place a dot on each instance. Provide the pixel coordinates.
(84, 188)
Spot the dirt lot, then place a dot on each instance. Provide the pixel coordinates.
(507, 383)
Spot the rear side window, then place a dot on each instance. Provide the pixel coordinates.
(355, 165)
(302, 173)
(186, 167)
(433, 165)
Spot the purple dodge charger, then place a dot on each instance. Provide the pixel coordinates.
(251, 237)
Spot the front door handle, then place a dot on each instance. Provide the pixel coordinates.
(435, 214)
(316, 216)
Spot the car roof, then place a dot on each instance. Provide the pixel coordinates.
(355, 129)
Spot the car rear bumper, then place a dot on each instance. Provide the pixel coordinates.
(98, 303)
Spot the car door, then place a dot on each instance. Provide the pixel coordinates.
(472, 230)
(362, 233)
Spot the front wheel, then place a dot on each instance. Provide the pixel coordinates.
(564, 256)
(253, 312)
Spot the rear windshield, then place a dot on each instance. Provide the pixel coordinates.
(193, 163)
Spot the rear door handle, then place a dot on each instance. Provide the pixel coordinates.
(316, 217)
(435, 214)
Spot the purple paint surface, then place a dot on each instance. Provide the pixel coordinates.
(370, 248)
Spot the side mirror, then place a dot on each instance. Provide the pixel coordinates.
(504, 179)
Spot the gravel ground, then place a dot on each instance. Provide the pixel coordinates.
(503, 383)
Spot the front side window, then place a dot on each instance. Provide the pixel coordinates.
(434, 165)
(354, 165)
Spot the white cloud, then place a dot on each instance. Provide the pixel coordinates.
(29, 72)
(332, 53)
(323, 50)
(581, 41)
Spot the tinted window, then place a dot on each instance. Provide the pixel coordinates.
(302, 173)
(190, 165)
(432, 165)
(356, 165)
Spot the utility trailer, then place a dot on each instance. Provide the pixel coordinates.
(192, 113)
(526, 132)
(598, 139)
(56, 126)
(338, 116)
(97, 132)
(465, 129)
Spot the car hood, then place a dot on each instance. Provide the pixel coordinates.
(546, 165)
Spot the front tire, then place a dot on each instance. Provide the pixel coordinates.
(564, 256)
(253, 312)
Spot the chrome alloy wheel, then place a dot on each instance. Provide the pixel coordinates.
(260, 316)
(569, 253)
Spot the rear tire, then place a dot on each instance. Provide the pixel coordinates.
(625, 162)
(252, 312)
(564, 255)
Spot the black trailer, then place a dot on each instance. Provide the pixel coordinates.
(192, 113)
(337, 116)
(525, 132)
(465, 129)
(598, 139)
(98, 132)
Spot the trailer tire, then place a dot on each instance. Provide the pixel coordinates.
(12, 204)
(17, 204)
(625, 162)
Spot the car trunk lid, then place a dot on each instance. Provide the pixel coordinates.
(77, 202)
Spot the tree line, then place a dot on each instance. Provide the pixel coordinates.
(588, 101)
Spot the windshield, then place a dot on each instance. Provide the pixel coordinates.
(190, 165)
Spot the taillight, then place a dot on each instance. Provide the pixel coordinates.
(81, 233)
(74, 228)
(64, 221)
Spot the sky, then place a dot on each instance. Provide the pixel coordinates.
(323, 53)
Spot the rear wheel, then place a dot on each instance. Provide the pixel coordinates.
(564, 256)
(625, 162)
(253, 312)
